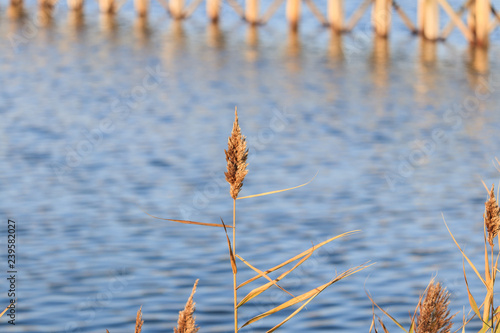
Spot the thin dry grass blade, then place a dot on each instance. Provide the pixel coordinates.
(312, 293)
(278, 191)
(383, 326)
(472, 301)
(294, 313)
(187, 222)
(373, 325)
(297, 257)
(463, 253)
(139, 321)
(264, 275)
(231, 254)
(386, 313)
(257, 291)
(8, 307)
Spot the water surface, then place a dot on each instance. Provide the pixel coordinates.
(399, 131)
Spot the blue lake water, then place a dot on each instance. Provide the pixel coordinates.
(104, 117)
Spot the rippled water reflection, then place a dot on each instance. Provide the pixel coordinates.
(80, 156)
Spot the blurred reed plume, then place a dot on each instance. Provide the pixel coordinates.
(492, 216)
(434, 316)
(186, 322)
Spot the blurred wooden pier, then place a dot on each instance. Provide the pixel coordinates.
(481, 17)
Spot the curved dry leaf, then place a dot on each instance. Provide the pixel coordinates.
(186, 221)
(297, 257)
(278, 191)
(231, 254)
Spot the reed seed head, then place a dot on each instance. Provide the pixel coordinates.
(139, 321)
(186, 322)
(492, 216)
(434, 316)
(236, 157)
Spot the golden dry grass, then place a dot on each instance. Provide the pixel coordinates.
(434, 315)
(236, 157)
(491, 216)
(186, 322)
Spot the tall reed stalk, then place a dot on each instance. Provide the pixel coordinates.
(236, 157)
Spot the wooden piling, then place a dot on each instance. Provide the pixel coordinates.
(45, 12)
(16, 9)
(107, 6)
(252, 11)
(336, 15)
(335, 48)
(479, 59)
(213, 10)
(215, 36)
(428, 52)
(293, 13)
(176, 8)
(482, 9)
(381, 17)
(430, 29)
(76, 21)
(141, 7)
(75, 5)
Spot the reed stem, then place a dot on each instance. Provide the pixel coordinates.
(234, 273)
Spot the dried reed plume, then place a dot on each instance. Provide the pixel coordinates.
(434, 315)
(139, 321)
(492, 216)
(186, 322)
(236, 157)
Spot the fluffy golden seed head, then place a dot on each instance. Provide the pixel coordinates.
(434, 316)
(492, 216)
(236, 157)
(186, 322)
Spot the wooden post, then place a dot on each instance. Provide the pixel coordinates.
(482, 8)
(75, 5)
(141, 7)
(428, 52)
(252, 36)
(252, 11)
(431, 20)
(381, 17)
(215, 36)
(107, 6)
(336, 15)
(293, 13)
(421, 15)
(16, 9)
(479, 59)
(213, 9)
(176, 8)
(335, 49)
(75, 20)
